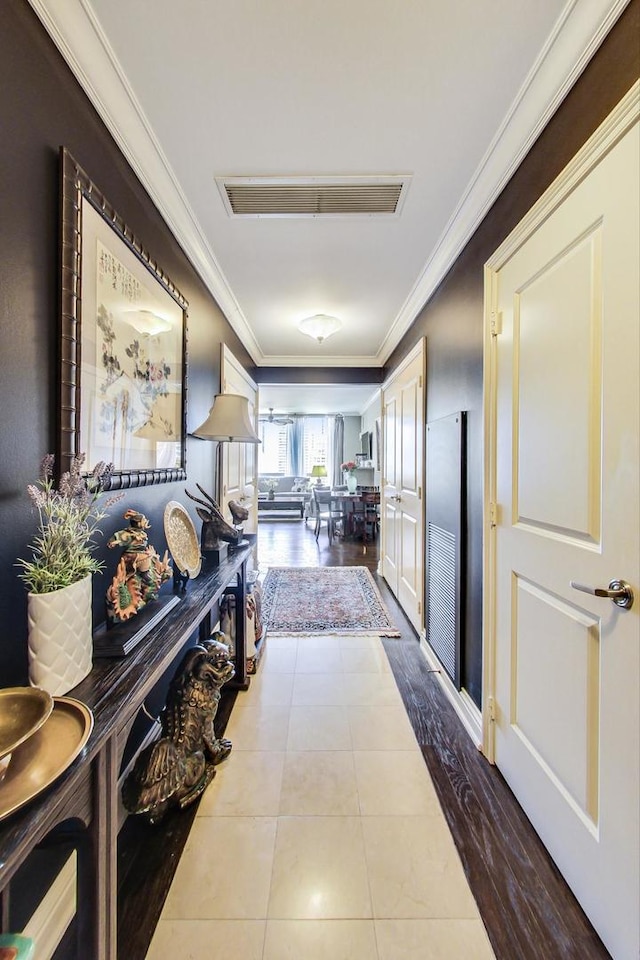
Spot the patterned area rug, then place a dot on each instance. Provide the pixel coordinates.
(317, 600)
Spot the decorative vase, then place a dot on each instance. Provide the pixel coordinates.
(271, 495)
(352, 482)
(60, 637)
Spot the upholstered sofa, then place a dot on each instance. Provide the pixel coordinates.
(287, 488)
(285, 485)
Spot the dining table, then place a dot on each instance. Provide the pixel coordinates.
(345, 498)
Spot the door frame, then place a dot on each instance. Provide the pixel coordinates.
(417, 352)
(612, 129)
(228, 362)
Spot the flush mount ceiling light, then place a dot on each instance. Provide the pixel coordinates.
(320, 326)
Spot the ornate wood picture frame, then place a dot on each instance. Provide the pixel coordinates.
(123, 345)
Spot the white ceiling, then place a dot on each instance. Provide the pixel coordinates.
(317, 398)
(452, 94)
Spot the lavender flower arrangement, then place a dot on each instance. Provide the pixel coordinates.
(69, 519)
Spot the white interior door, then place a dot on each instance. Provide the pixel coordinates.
(390, 512)
(402, 484)
(239, 461)
(567, 664)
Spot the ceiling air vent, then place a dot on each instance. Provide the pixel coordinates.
(312, 196)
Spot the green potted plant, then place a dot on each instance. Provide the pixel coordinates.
(59, 572)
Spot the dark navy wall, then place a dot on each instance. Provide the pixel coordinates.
(452, 320)
(41, 108)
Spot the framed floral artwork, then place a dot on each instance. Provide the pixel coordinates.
(123, 362)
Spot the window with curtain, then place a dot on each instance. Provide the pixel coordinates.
(293, 449)
(315, 442)
(273, 451)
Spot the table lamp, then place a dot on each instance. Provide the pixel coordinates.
(319, 471)
(228, 422)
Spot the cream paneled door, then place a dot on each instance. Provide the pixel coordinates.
(240, 460)
(402, 484)
(567, 664)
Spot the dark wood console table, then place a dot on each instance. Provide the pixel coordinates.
(83, 804)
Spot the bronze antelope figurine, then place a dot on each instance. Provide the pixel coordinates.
(214, 526)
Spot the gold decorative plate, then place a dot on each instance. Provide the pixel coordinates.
(40, 760)
(182, 539)
(22, 711)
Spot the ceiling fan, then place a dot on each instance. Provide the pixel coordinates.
(282, 421)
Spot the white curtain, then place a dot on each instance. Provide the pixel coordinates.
(337, 451)
(295, 448)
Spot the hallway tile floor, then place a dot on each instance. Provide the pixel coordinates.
(321, 835)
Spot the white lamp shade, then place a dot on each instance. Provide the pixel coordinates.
(228, 420)
(319, 327)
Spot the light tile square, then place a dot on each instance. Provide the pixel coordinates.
(318, 783)
(319, 870)
(414, 869)
(320, 940)
(247, 784)
(213, 939)
(278, 659)
(259, 727)
(224, 871)
(267, 689)
(432, 940)
(318, 728)
(369, 660)
(358, 641)
(381, 728)
(371, 689)
(394, 783)
(314, 659)
(283, 642)
(318, 689)
(324, 644)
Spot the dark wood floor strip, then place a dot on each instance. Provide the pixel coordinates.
(526, 906)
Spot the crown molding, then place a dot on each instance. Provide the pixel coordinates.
(578, 33)
(318, 361)
(623, 116)
(83, 44)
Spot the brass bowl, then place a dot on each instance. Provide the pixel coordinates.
(23, 710)
(44, 756)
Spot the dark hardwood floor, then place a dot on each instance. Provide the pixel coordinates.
(527, 908)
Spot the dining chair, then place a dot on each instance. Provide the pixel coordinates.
(327, 511)
(366, 517)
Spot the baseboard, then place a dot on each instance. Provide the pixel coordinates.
(55, 912)
(468, 712)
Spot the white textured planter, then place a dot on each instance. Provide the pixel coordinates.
(352, 483)
(60, 639)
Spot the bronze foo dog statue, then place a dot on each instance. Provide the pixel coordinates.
(177, 768)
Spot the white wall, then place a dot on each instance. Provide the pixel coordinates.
(352, 429)
(368, 422)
